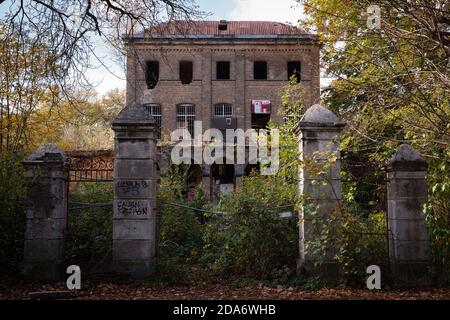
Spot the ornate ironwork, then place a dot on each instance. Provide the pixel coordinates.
(90, 166)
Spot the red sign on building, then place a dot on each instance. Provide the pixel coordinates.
(261, 106)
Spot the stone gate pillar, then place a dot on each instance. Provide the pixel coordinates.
(318, 138)
(406, 194)
(135, 179)
(46, 216)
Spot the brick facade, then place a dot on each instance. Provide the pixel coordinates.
(204, 45)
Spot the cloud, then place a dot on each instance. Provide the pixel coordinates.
(279, 10)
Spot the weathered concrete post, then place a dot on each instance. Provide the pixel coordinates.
(135, 179)
(408, 240)
(318, 138)
(46, 214)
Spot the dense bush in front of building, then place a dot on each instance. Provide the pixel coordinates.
(180, 229)
(251, 238)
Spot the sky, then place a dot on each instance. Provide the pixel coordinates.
(113, 76)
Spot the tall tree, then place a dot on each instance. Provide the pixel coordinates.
(390, 61)
(397, 70)
(48, 45)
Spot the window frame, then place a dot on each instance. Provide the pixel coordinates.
(151, 83)
(154, 109)
(228, 72)
(298, 73)
(189, 77)
(224, 107)
(187, 116)
(256, 73)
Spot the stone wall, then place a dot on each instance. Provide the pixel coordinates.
(205, 91)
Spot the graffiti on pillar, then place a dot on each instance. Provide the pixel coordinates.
(131, 188)
(132, 208)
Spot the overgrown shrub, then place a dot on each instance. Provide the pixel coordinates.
(357, 241)
(180, 229)
(437, 213)
(363, 243)
(251, 239)
(12, 212)
(89, 233)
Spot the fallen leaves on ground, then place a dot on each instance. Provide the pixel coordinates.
(111, 291)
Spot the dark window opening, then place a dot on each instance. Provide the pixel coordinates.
(155, 111)
(260, 70)
(294, 69)
(252, 168)
(260, 121)
(223, 70)
(223, 25)
(152, 74)
(224, 173)
(186, 72)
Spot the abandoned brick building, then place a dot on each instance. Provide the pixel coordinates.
(219, 72)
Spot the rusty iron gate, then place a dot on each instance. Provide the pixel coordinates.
(90, 166)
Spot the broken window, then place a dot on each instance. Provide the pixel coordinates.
(186, 72)
(260, 70)
(223, 70)
(155, 110)
(294, 69)
(186, 117)
(152, 74)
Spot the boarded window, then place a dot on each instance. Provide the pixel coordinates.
(186, 117)
(260, 70)
(186, 72)
(152, 74)
(155, 111)
(223, 110)
(294, 69)
(223, 70)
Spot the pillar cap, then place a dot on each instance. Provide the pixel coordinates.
(407, 159)
(46, 153)
(134, 115)
(318, 116)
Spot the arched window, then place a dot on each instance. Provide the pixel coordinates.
(223, 110)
